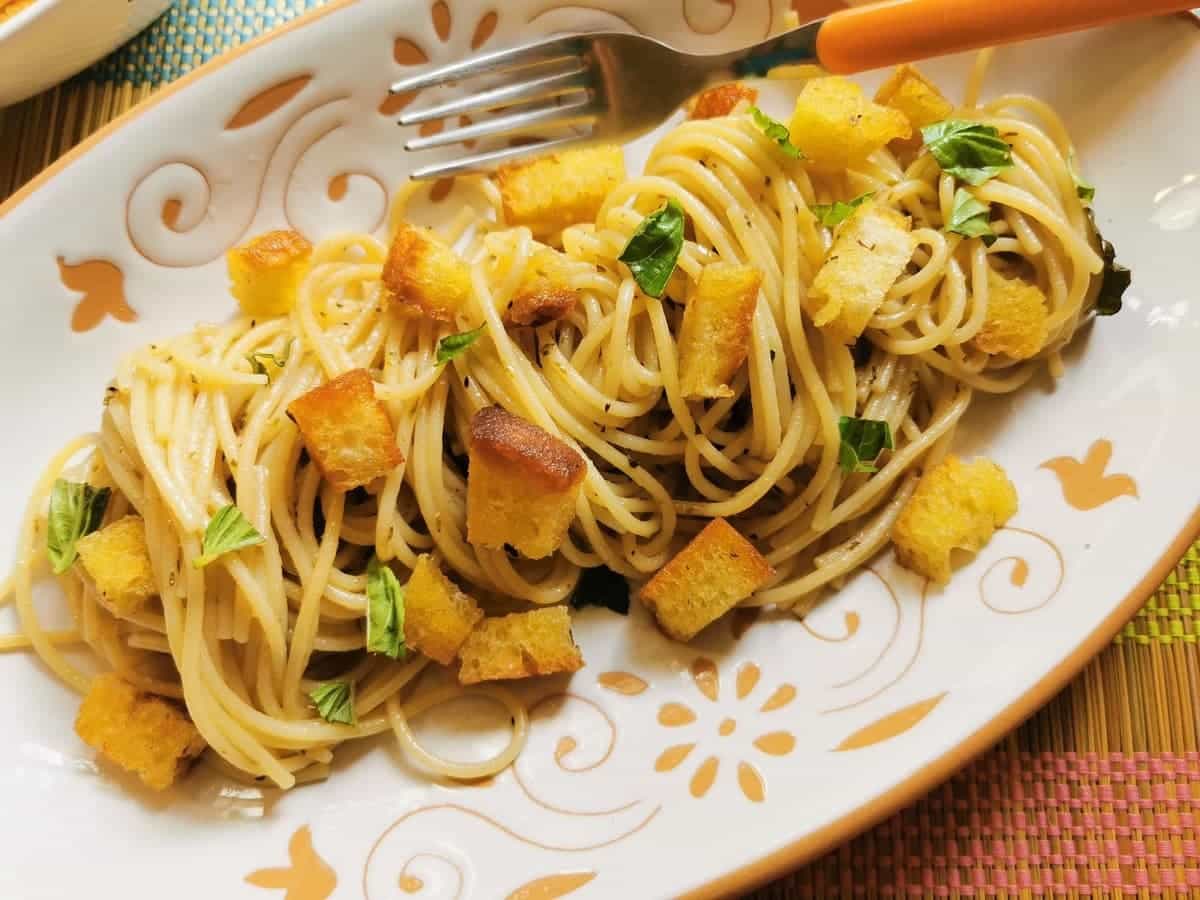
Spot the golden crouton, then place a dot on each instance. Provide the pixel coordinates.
(721, 100)
(347, 430)
(520, 645)
(870, 252)
(910, 92)
(266, 272)
(717, 570)
(838, 128)
(424, 275)
(552, 192)
(522, 485)
(543, 295)
(117, 561)
(140, 732)
(956, 506)
(437, 615)
(1016, 318)
(714, 339)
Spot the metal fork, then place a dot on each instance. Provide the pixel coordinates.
(613, 87)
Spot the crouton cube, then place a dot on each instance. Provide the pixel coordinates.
(422, 274)
(117, 561)
(552, 192)
(714, 339)
(1016, 318)
(956, 506)
(721, 100)
(522, 485)
(520, 645)
(918, 98)
(717, 570)
(543, 295)
(265, 273)
(838, 128)
(870, 252)
(347, 430)
(141, 733)
(437, 615)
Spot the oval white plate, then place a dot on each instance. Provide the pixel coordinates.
(53, 39)
(785, 738)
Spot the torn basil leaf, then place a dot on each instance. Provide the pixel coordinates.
(1115, 278)
(227, 532)
(334, 701)
(862, 442)
(385, 611)
(776, 131)
(654, 249)
(76, 509)
(456, 344)
(969, 151)
(971, 218)
(601, 586)
(837, 212)
(261, 358)
(1085, 190)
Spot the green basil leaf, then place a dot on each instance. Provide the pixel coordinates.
(971, 218)
(969, 151)
(654, 249)
(1116, 278)
(456, 344)
(1085, 190)
(227, 531)
(837, 212)
(601, 586)
(76, 509)
(334, 701)
(776, 131)
(259, 360)
(385, 611)
(862, 442)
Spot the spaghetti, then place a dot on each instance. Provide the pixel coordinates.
(189, 428)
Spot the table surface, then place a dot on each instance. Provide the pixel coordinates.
(1097, 795)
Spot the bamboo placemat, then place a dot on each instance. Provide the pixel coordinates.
(1097, 796)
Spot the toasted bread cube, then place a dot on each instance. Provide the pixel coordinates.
(838, 128)
(910, 92)
(437, 615)
(347, 430)
(520, 645)
(552, 192)
(422, 274)
(870, 252)
(522, 485)
(714, 339)
(141, 733)
(117, 561)
(956, 506)
(543, 295)
(717, 570)
(1016, 318)
(265, 273)
(721, 100)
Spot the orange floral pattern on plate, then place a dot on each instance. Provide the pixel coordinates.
(1085, 485)
(707, 679)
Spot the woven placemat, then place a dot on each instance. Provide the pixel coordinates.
(1098, 795)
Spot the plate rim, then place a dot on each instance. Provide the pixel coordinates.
(780, 862)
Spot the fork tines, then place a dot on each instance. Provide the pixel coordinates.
(552, 88)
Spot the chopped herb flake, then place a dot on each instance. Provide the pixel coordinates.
(76, 509)
(969, 151)
(654, 249)
(862, 442)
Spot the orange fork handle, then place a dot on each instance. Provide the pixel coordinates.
(897, 31)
